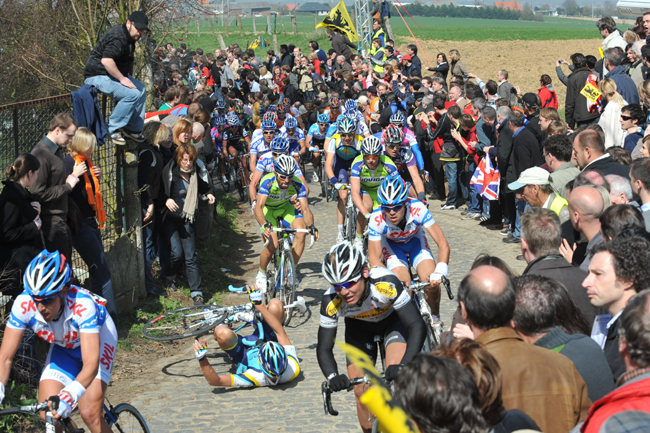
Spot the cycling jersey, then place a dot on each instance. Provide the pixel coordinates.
(277, 196)
(265, 165)
(257, 134)
(83, 313)
(234, 138)
(294, 140)
(250, 371)
(416, 215)
(247, 122)
(371, 179)
(317, 138)
(404, 158)
(259, 147)
(342, 151)
(384, 294)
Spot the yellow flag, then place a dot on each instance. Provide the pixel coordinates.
(339, 20)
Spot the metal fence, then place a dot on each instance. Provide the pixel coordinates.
(23, 124)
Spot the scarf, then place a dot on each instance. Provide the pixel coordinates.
(94, 198)
(171, 174)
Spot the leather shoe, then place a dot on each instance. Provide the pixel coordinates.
(520, 257)
(512, 240)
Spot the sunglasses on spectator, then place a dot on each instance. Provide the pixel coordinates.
(626, 117)
(395, 208)
(339, 287)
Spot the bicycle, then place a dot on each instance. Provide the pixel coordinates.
(325, 185)
(239, 178)
(350, 217)
(281, 271)
(124, 417)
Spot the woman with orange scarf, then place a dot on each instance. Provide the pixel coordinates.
(87, 195)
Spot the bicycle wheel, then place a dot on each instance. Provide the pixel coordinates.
(128, 419)
(350, 224)
(241, 181)
(183, 323)
(288, 286)
(432, 341)
(271, 272)
(375, 426)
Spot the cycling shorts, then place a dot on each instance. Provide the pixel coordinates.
(341, 169)
(239, 147)
(287, 212)
(395, 253)
(361, 334)
(64, 365)
(406, 175)
(373, 196)
(236, 353)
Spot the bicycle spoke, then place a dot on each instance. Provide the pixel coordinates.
(183, 323)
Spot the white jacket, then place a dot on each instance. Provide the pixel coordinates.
(610, 121)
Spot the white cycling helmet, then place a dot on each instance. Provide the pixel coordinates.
(344, 262)
(285, 165)
(371, 146)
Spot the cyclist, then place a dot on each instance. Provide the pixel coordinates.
(236, 140)
(269, 115)
(372, 302)
(281, 111)
(399, 121)
(264, 358)
(294, 135)
(282, 195)
(266, 164)
(220, 109)
(82, 335)
(245, 119)
(368, 171)
(400, 152)
(334, 109)
(261, 146)
(316, 139)
(217, 139)
(350, 106)
(362, 128)
(343, 148)
(395, 230)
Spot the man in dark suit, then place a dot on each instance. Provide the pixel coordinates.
(540, 246)
(503, 153)
(589, 151)
(526, 153)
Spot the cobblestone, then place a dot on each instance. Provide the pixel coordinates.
(179, 399)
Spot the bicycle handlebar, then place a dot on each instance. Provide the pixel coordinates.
(288, 230)
(34, 409)
(327, 394)
(421, 285)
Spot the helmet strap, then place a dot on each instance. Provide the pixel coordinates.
(58, 316)
(366, 290)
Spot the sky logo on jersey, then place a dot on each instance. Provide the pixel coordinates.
(386, 289)
(415, 211)
(107, 356)
(27, 306)
(46, 335)
(78, 309)
(334, 306)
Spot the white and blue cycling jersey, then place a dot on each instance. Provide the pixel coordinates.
(317, 138)
(250, 373)
(83, 313)
(294, 140)
(410, 138)
(417, 215)
(265, 165)
(259, 147)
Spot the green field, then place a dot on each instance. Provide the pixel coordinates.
(451, 29)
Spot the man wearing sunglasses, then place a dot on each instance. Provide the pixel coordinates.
(342, 149)
(372, 301)
(282, 196)
(261, 145)
(266, 164)
(400, 152)
(81, 332)
(316, 138)
(368, 171)
(395, 231)
(295, 136)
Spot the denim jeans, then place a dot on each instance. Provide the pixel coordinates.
(452, 169)
(522, 206)
(88, 243)
(129, 111)
(149, 249)
(475, 198)
(180, 237)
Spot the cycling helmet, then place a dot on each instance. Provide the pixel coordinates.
(285, 165)
(233, 120)
(221, 104)
(279, 145)
(350, 115)
(270, 115)
(350, 105)
(394, 135)
(324, 118)
(371, 146)
(291, 122)
(335, 102)
(347, 126)
(393, 191)
(221, 121)
(281, 108)
(273, 359)
(397, 119)
(344, 262)
(272, 109)
(268, 124)
(239, 109)
(286, 101)
(47, 274)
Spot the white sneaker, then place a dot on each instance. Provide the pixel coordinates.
(315, 178)
(260, 280)
(117, 138)
(358, 242)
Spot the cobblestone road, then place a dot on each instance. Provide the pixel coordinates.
(180, 400)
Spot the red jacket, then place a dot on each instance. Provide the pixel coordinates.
(548, 97)
(633, 396)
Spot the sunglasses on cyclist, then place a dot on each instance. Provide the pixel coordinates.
(323, 124)
(276, 154)
(291, 129)
(268, 132)
(45, 301)
(626, 118)
(393, 145)
(347, 135)
(395, 208)
(370, 156)
(339, 287)
(282, 177)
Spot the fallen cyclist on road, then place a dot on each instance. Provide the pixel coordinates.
(372, 302)
(264, 358)
(81, 332)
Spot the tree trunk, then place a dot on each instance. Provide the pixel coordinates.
(282, 22)
(241, 25)
(275, 43)
(187, 24)
(254, 26)
(212, 25)
(315, 21)
(268, 24)
(198, 28)
(295, 25)
(222, 44)
(389, 29)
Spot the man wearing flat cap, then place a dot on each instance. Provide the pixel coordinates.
(109, 69)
